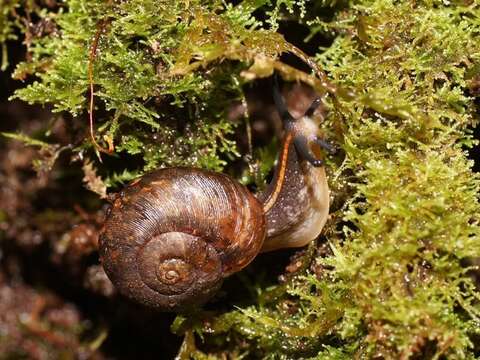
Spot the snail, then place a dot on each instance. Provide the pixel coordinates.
(173, 235)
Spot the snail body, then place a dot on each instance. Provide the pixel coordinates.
(173, 235)
(296, 202)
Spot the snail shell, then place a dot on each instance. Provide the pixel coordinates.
(172, 236)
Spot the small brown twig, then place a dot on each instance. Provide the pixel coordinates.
(91, 58)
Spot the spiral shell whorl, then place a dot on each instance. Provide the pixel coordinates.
(172, 236)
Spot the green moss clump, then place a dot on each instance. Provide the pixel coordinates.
(7, 28)
(153, 65)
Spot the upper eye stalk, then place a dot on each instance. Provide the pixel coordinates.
(300, 140)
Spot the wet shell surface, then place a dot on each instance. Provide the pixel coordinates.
(172, 236)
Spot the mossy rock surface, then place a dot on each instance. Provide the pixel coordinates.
(131, 86)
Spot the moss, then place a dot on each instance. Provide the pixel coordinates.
(395, 280)
(149, 61)
(396, 284)
(7, 29)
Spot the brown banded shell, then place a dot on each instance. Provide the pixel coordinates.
(172, 236)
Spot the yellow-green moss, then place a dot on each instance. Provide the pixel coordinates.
(394, 283)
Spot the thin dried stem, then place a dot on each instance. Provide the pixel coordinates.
(91, 59)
